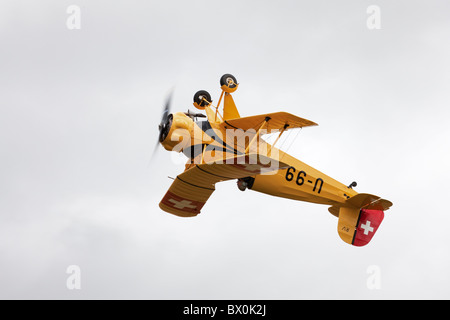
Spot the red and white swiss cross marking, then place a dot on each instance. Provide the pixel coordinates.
(177, 202)
(369, 221)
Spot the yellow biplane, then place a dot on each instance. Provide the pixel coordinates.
(225, 146)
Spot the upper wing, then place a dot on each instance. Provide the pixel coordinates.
(189, 192)
(277, 122)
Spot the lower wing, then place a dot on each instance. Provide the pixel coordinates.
(189, 192)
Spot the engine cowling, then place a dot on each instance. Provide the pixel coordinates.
(176, 133)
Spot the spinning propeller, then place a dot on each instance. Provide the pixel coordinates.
(165, 124)
(166, 120)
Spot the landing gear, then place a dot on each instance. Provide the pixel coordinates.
(245, 183)
(242, 185)
(228, 83)
(202, 99)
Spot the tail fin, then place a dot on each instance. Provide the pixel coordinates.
(360, 218)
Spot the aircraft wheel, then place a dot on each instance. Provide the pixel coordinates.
(242, 185)
(228, 83)
(199, 99)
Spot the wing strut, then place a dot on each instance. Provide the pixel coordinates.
(266, 120)
(281, 132)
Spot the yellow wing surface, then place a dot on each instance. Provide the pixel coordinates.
(189, 192)
(275, 122)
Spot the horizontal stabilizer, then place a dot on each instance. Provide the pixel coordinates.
(369, 201)
(363, 200)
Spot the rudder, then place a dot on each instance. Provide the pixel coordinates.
(358, 226)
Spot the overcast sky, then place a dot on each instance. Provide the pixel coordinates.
(79, 110)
